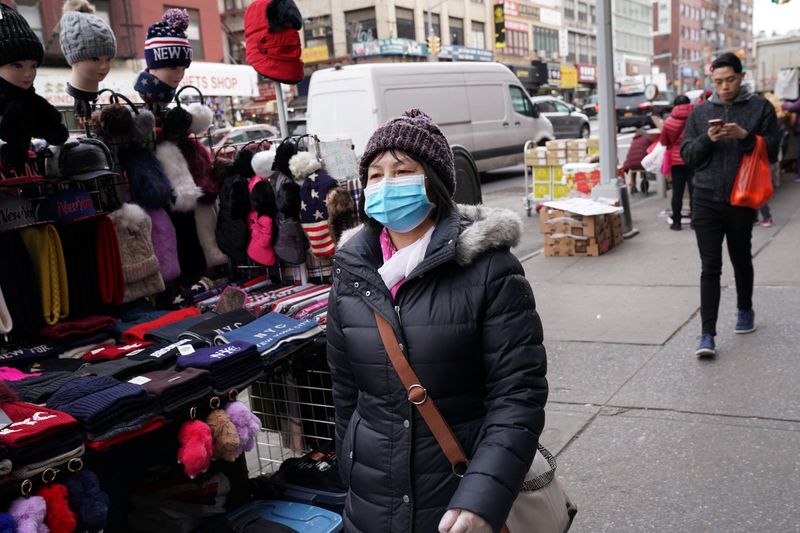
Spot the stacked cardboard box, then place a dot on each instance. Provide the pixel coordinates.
(615, 223)
(550, 181)
(571, 234)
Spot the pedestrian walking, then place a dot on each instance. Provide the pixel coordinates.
(793, 108)
(444, 279)
(717, 134)
(672, 137)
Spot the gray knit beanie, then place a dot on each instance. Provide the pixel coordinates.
(416, 134)
(83, 34)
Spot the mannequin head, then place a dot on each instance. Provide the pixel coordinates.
(87, 75)
(171, 76)
(20, 73)
(21, 52)
(88, 44)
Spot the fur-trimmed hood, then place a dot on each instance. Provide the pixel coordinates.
(185, 192)
(482, 229)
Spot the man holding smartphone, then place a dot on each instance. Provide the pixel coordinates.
(718, 133)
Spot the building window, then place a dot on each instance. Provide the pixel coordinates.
(583, 49)
(593, 14)
(456, 31)
(516, 43)
(569, 9)
(572, 45)
(545, 41)
(361, 26)
(405, 23)
(582, 12)
(193, 32)
(478, 35)
(317, 31)
(30, 11)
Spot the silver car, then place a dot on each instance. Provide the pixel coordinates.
(568, 122)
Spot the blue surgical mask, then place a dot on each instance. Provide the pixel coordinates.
(401, 204)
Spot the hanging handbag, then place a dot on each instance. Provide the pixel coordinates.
(753, 186)
(541, 506)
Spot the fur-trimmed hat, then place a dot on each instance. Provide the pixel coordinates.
(262, 162)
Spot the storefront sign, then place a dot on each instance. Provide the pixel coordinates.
(664, 21)
(513, 25)
(554, 74)
(51, 84)
(315, 54)
(569, 77)
(563, 42)
(499, 25)
(222, 79)
(550, 16)
(390, 47)
(463, 53)
(266, 90)
(587, 73)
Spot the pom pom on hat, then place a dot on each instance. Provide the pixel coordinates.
(59, 517)
(79, 6)
(303, 164)
(262, 162)
(196, 449)
(225, 437)
(176, 18)
(29, 514)
(247, 425)
(88, 500)
(202, 116)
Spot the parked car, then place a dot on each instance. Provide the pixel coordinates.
(482, 109)
(242, 134)
(567, 121)
(591, 106)
(297, 125)
(633, 110)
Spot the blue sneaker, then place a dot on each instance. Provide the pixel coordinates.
(745, 321)
(707, 347)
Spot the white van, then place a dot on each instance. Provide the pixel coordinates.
(482, 108)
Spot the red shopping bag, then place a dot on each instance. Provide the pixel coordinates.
(753, 185)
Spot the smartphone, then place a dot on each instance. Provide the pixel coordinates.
(716, 123)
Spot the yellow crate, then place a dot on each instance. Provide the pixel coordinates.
(593, 150)
(560, 191)
(558, 174)
(541, 190)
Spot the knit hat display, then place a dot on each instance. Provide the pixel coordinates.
(168, 333)
(313, 194)
(18, 42)
(140, 266)
(416, 134)
(177, 391)
(84, 35)
(232, 366)
(137, 332)
(112, 353)
(165, 244)
(44, 249)
(79, 327)
(206, 331)
(33, 424)
(272, 39)
(167, 44)
(225, 438)
(272, 331)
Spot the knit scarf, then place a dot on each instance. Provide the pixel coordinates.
(397, 264)
(151, 89)
(44, 247)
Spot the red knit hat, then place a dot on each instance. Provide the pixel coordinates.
(32, 423)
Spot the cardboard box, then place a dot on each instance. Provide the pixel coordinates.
(535, 161)
(560, 190)
(577, 144)
(559, 144)
(571, 246)
(558, 174)
(592, 151)
(576, 156)
(591, 248)
(594, 142)
(555, 221)
(542, 191)
(557, 161)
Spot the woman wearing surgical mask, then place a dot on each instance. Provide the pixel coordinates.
(443, 277)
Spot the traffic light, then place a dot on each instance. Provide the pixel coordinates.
(434, 45)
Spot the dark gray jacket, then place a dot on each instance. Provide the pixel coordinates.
(467, 321)
(716, 164)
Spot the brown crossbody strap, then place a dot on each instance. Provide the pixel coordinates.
(417, 395)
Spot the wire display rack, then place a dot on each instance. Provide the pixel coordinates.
(295, 405)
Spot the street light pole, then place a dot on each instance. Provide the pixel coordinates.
(607, 118)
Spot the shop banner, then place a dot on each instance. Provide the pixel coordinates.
(51, 84)
(499, 25)
(222, 79)
(463, 53)
(569, 77)
(390, 47)
(587, 73)
(315, 54)
(554, 74)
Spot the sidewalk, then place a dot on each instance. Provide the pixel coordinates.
(648, 437)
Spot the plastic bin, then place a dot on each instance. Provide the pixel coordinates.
(298, 516)
(312, 479)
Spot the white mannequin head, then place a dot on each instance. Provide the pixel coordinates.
(87, 74)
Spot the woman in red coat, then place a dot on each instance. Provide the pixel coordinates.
(672, 138)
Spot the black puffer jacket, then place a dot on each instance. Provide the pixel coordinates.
(467, 320)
